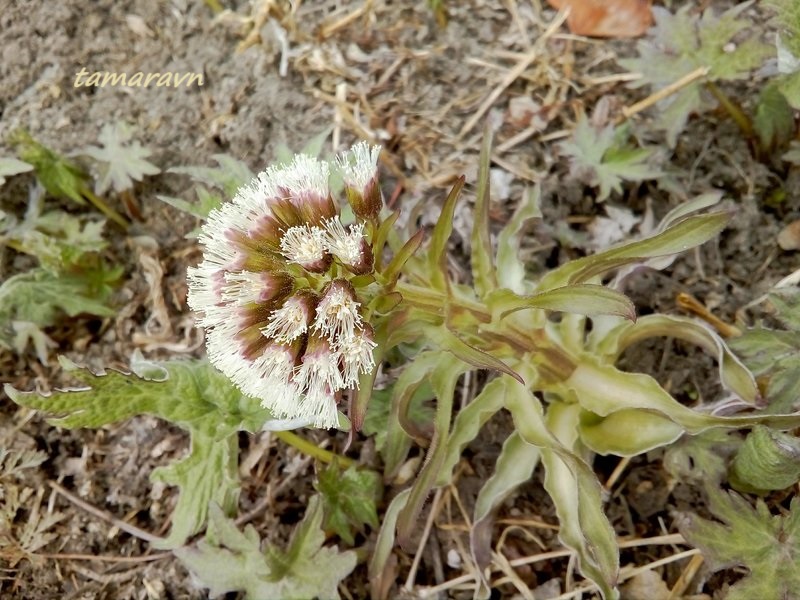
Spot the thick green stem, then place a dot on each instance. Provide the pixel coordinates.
(310, 449)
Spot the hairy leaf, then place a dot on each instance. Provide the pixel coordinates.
(228, 560)
(765, 544)
(602, 158)
(682, 42)
(584, 299)
(190, 394)
(349, 499)
(121, 161)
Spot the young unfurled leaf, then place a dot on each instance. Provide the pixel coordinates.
(349, 499)
(767, 545)
(684, 41)
(228, 560)
(190, 394)
(768, 460)
(12, 166)
(603, 158)
(121, 161)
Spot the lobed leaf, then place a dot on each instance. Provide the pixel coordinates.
(228, 560)
(349, 499)
(767, 545)
(121, 161)
(600, 157)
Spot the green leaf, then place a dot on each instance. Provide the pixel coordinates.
(774, 119)
(774, 354)
(734, 376)
(40, 297)
(601, 158)
(571, 484)
(677, 238)
(380, 577)
(209, 474)
(583, 299)
(517, 461)
(229, 176)
(510, 269)
(682, 42)
(443, 379)
(60, 177)
(702, 458)
(190, 394)
(121, 161)
(59, 240)
(437, 259)
(230, 561)
(767, 545)
(468, 423)
(604, 390)
(483, 271)
(768, 460)
(349, 499)
(12, 166)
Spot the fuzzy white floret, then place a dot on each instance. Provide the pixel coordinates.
(303, 244)
(342, 243)
(359, 164)
(337, 315)
(286, 323)
(319, 378)
(357, 357)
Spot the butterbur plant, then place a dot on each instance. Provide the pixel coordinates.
(302, 304)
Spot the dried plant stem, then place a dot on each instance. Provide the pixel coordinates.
(665, 92)
(93, 510)
(310, 449)
(115, 559)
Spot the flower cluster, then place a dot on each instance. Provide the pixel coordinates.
(273, 291)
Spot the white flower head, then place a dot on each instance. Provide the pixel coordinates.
(346, 245)
(268, 327)
(337, 312)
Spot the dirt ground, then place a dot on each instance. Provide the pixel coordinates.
(279, 73)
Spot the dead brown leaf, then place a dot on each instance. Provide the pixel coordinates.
(607, 18)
